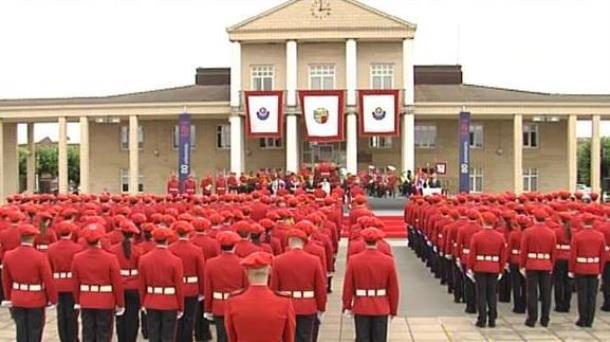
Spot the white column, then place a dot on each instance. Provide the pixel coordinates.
(84, 155)
(134, 155)
(2, 165)
(572, 153)
(235, 74)
(408, 119)
(518, 154)
(292, 142)
(595, 155)
(31, 160)
(236, 144)
(62, 156)
(351, 81)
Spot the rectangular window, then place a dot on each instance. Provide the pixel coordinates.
(125, 181)
(125, 137)
(270, 143)
(476, 135)
(322, 77)
(380, 142)
(530, 179)
(223, 136)
(425, 136)
(176, 138)
(530, 135)
(262, 77)
(476, 179)
(382, 76)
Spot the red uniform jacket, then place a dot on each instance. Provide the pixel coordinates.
(514, 246)
(27, 279)
(192, 264)
(358, 245)
(537, 248)
(173, 187)
(562, 246)
(210, 246)
(258, 315)
(588, 255)
(370, 286)
(129, 266)
(10, 239)
(299, 275)
(61, 254)
(223, 275)
(190, 187)
(604, 228)
(315, 249)
(464, 235)
(487, 252)
(161, 276)
(97, 280)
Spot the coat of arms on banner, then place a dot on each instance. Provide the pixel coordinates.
(378, 113)
(264, 114)
(322, 114)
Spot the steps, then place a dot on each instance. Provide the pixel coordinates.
(395, 226)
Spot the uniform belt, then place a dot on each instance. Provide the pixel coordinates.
(493, 258)
(516, 252)
(96, 288)
(42, 247)
(161, 290)
(465, 251)
(220, 295)
(129, 272)
(299, 294)
(587, 260)
(220, 188)
(371, 293)
(27, 287)
(542, 256)
(563, 247)
(190, 280)
(62, 275)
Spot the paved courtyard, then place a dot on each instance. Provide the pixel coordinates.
(427, 314)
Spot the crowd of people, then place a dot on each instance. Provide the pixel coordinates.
(527, 248)
(255, 267)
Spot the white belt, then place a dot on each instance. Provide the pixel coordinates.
(301, 294)
(563, 247)
(494, 258)
(161, 290)
(129, 272)
(96, 288)
(221, 295)
(371, 293)
(542, 256)
(588, 260)
(42, 247)
(62, 275)
(27, 287)
(190, 280)
(465, 251)
(516, 252)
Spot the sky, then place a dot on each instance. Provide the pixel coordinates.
(59, 48)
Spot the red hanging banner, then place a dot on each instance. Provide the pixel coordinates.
(323, 114)
(264, 114)
(379, 113)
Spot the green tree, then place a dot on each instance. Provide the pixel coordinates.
(584, 161)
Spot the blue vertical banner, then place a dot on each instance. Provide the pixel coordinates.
(464, 141)
(184, 148)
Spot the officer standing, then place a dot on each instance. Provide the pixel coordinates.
(370, 289)
(257, 314)
(28, 285)
(464, 236)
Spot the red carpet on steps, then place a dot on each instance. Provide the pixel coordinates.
(395, 226)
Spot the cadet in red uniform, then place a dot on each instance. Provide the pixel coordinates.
(206, 185)
(587, 262)
(223, 276)
(61, 254)
(486, 261)
(536, 261)
(173, 185)
(232, 182)
(128, 257)
(193, 265)
(257, 314)
(299, 275)
(517, 279)
(190, 186)
(161, 288)
(464, 236)
(562, 284)
(98, 288)
(28, 286)
(370, 289)
(221, 185)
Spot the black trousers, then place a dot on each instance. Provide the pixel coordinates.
(221, 333)
(67, 317)
(487, 300)
(586, 287)
(504, 288)
(562, 286)
(97, 324)
(161, 325)
(518, 289)
(538, 285)
(127, 324)
(470, 295)
(458, 284)
(144, 324)
(606, 287)
(29, 323)
(371, 328)
(202, 325)
(304, 329)
(186, 323)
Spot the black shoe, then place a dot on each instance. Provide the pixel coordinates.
(544, 323)
(518, 311)
(580, 324)
(530, 324)
(492, 324)
(605, 308)
(470, 311)
(480, 324)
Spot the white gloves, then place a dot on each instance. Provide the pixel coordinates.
(119, 311)
(179, 314)
(500, 276)
(208, 315)
(320, 315)
(6, 304)
(470, 275)
(50, 306)
(571, 274)
(76, 306)
(200, 298)
(522, 271)
(347, 313)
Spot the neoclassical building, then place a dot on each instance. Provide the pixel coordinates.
(519, 140)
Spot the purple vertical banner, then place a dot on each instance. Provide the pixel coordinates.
(464, 141)
(184, 148)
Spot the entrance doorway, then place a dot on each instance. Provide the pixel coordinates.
(314, 153)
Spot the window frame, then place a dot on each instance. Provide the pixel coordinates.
(124, 176)
(258, 69)
(529, 132)
(330, 66)
(124, 132)
(472, 177)
(392, 75)
(219, 132)
(529, 177)
(385, 146)
(274, 146)
(426, 146)
(176, 137)
(472, 134)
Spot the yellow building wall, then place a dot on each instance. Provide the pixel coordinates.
(375, 52)
(321, 53)
(10, 164)
(273, 54)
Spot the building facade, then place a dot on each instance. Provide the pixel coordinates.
(520, 141)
